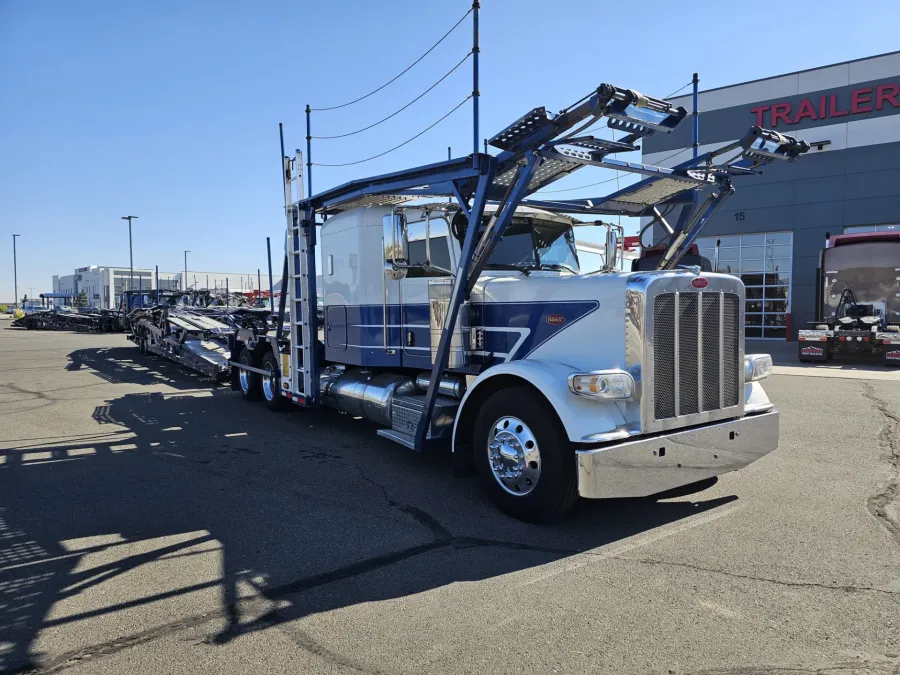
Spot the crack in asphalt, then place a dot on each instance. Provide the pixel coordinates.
(781, 582)
(889, 443)
(886, 667)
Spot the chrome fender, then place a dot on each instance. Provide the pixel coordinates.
(580, 416)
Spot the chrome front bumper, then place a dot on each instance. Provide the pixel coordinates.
(649, 465)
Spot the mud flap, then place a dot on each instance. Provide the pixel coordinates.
(813, 351)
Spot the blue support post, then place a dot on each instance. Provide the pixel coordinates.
(271, 287)
(141, 289)
(713, 204)
(476, 49)
(691, 221)
(157, 284)
(502, 217)
(308, 152)
(282, 299)
(456, 299)
(696, 115)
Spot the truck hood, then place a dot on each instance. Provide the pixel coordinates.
(577, 320)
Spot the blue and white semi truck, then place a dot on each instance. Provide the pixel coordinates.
(456, 315)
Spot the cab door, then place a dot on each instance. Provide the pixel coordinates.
(434, 260)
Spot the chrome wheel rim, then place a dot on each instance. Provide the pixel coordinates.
(514, 456)
(245, 380)
(268, 383)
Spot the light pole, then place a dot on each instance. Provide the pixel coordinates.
(185, 270)
(130, 255)
(15, 273)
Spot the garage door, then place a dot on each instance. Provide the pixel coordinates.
(763, 262)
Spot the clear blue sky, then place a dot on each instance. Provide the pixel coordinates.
(169, 109)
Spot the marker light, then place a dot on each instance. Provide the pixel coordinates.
(614, 385)
(757, 367)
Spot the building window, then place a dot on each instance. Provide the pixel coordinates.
(763, 262)
(893, 227)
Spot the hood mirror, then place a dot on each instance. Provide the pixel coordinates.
(614, 238)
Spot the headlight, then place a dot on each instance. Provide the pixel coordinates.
(613, 385)
(757, 367)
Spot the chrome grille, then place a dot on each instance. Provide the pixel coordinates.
(696, 353)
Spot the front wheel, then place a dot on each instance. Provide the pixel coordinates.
(524, 459)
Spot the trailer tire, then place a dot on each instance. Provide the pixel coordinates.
(541, 483)
(271, 385)
(248, 382)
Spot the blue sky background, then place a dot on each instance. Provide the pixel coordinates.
(169, 110)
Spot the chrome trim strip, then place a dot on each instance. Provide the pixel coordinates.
(700, 352)
(636, 309)
(384, 304)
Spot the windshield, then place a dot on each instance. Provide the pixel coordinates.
(536, 245)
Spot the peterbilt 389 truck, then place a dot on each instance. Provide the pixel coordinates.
(857, 300)
(456, 316)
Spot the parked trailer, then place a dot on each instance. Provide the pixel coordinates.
(455, 315)
(96, 321)
(857, 300)
(196, 337)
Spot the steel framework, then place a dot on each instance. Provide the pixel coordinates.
(536, 150)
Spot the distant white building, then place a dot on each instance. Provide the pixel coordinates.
(104, 285)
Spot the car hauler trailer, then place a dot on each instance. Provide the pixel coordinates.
(857, 300)
(455, 315)
(185, 327)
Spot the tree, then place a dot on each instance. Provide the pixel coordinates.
(80, 300)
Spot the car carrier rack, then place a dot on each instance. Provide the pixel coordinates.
(536, 150)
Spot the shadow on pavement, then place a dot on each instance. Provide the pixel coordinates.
(277, 516)
(121, 365)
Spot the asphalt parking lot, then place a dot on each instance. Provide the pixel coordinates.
(152, 523)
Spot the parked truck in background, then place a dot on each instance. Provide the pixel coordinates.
(857, 300)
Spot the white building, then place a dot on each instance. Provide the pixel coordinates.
(104, 285)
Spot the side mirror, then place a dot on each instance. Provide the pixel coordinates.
(612, 249)
(396, 246)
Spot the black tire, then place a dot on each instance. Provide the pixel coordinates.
(248, 382)
(556, 488)
(272, 393)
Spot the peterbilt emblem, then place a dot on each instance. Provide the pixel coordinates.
(699, 282)
(893, 356)
(555, 319)
(812, 351)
